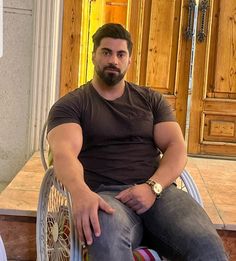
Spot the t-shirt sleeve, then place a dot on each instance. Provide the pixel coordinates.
(66, 110)
(162, 110)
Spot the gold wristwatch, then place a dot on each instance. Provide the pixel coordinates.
(156, 187)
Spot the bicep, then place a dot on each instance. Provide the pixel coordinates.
(166, 134)
(66, 138)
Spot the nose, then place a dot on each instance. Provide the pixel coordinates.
(113, 59)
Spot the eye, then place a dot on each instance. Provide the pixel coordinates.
(105, 53)
(121, 55)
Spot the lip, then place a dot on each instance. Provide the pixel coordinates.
(112, 69)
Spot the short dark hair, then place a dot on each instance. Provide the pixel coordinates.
(112, 30)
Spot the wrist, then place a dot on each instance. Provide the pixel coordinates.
(78, 189)
(155, 187)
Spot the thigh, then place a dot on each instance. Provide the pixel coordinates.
(121, 232)
(180, 229)
(123, 220)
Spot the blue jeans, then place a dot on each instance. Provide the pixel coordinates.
(176, 226)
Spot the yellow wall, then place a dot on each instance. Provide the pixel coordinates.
(95, 14)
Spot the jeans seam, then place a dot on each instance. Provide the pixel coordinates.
(131, 230)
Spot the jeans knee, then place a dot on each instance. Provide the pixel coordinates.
(114, 242)
(112, 226)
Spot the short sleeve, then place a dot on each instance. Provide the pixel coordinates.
(66, 110)
(162, 110)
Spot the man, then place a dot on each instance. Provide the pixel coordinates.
(106, 138)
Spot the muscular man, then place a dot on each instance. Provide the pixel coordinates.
(106, 138)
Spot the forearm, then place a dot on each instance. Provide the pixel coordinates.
(171, 164)
(70, 172)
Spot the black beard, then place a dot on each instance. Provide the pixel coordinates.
(110, 78)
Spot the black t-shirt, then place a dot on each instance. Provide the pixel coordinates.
(118, 146)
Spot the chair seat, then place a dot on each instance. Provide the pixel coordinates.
(140, 254)
(145, 254)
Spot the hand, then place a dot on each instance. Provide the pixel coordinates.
(85, 211)
(139, 198)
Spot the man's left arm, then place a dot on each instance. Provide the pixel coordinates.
(169, 139)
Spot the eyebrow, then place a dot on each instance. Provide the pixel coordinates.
(109, 50)
(106, 49)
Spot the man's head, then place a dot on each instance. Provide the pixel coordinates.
(111, 54)
(112, 30)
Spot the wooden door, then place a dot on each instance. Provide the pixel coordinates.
(161, 52)
(213, 110)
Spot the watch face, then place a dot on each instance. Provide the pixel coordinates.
(157, 188)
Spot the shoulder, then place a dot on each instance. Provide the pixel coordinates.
(145, 91)
(69, 108)
(158, 104)
(74, 97)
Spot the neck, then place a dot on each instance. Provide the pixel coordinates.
(108, 92)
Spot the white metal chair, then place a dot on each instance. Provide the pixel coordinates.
(3, 256)
(56, 235)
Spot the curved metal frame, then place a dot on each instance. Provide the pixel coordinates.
(191, 186)
(56, 221)
(42, 148)
(3, 256)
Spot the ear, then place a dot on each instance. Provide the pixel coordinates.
(129, 61)
(93, 57)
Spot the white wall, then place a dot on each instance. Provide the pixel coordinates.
(15, 82)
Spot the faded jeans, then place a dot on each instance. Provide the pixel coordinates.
(175, 226)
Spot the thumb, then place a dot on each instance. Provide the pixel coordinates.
(106, 207)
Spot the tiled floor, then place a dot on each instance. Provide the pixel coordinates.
(216, 181)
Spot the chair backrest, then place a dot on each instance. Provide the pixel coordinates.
(42, 147)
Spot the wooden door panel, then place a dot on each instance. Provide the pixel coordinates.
(218, 127)
(163, 44)
(163, 58)
(213, 112)
(222, 77)
(116, 11)
(71, 40)
(225, 72)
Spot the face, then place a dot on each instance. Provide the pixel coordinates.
(111, 60)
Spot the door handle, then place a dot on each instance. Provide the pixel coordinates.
(202, 33)
(189, 30)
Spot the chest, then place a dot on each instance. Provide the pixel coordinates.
(116, 121)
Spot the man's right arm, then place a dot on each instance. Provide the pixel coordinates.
(65, 142)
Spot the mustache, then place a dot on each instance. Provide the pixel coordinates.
(112, 67)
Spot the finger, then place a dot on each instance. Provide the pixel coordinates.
(106, 207)
(131, 203)
(95, 223)
(80, 231)
(141, 210)
(87, 230)
(122, 193)
(125, 198)
(137, 207)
